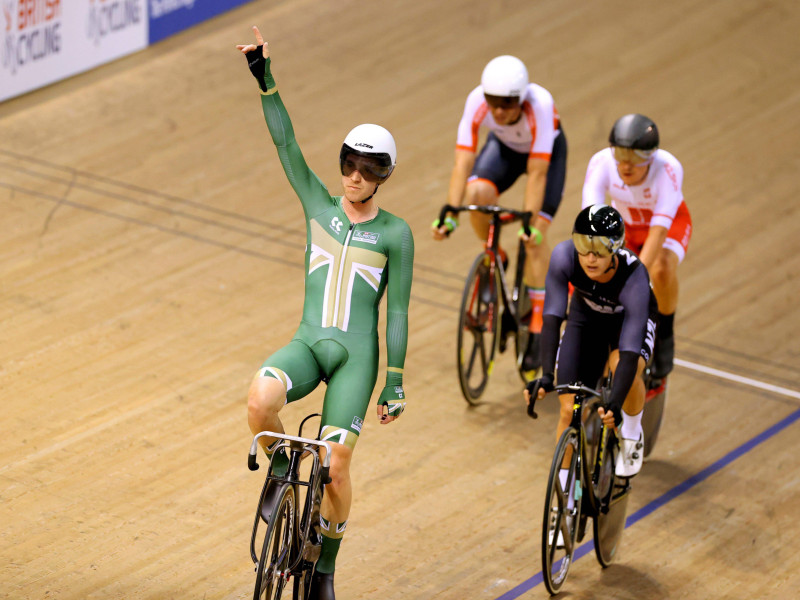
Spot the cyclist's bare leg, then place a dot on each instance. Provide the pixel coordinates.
(567, 402)
(339, 492)
(334, 511)
(266, 398)
(664, 275)
(538, 257)
(482, 193)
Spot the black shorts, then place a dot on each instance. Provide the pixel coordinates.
(589, 337)
(501, 165)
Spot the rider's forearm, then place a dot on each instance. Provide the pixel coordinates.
(623, 379)
(464, 162)
(401, 272)
(548, 343)
(396, 346)
(275, 113)
(534, 191)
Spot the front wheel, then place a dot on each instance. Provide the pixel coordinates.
(477, 327)
(272, 571)
(611, 499)
(560, 524)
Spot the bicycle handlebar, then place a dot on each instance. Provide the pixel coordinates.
(577, 388)
(525, 216)
(251, 458)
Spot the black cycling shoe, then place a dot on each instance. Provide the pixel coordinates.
(321, 587)
(530, 360)
(663, 357)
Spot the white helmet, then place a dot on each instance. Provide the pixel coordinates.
(505, 76)
(374, 142)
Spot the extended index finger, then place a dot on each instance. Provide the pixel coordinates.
(259, 38)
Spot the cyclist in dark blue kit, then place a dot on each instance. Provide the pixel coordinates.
(611, 320)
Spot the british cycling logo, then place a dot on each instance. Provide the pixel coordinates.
(159, 8)
(34, 35)
(109, 16)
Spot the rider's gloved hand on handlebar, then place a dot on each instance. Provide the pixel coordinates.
(447, 227)
(536, 389)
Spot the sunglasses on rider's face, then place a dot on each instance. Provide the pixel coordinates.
(505, 102)
(637, 158)
(371, 169)
(593, 244)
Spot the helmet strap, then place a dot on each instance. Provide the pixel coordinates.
(367, 199)
(612, 265)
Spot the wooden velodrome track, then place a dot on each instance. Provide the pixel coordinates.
(151, 259)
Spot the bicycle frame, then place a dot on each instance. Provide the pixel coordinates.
(481, 323)
(296, 446)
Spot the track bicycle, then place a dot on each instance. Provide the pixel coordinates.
(590, 451)
(292, 541)
(491, 310)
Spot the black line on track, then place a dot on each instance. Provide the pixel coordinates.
(261, 255)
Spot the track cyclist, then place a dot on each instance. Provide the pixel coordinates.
(525, 136)
(645, 186)
(354, 252)
(611, 320)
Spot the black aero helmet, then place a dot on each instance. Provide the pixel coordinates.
(634, 131)
(598, 229)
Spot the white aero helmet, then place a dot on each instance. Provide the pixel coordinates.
(374, 143)
(505, 76)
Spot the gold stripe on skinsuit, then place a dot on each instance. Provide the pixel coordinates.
(366, 263)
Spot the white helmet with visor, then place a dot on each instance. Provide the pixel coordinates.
(371, 150)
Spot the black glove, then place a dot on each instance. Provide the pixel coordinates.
(617, 410)
(545, 382)
(258, 66)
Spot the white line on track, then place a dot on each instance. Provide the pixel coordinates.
(738, 378)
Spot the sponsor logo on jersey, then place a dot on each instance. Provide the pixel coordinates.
(336, 224)
(366, 237)
(358, 422)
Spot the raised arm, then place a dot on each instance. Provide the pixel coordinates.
(305, 183)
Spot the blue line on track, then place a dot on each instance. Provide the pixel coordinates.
(679, 489)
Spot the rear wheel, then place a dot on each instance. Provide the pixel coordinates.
(478, 327)
(611, 498)
(560, 523)
(653, 415)
(272, 571)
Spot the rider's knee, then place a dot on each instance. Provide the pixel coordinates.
(340, 469)
(265, 398)
(481, 191)
(663, 269)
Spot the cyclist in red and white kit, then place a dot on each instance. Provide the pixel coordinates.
(525, 137)
(645, 186)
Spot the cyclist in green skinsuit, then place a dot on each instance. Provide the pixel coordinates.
(354, 252)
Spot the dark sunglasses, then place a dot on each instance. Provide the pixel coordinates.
(372, 169)
(501, 101)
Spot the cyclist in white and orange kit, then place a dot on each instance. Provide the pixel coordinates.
(525, 136)
(645, 186)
